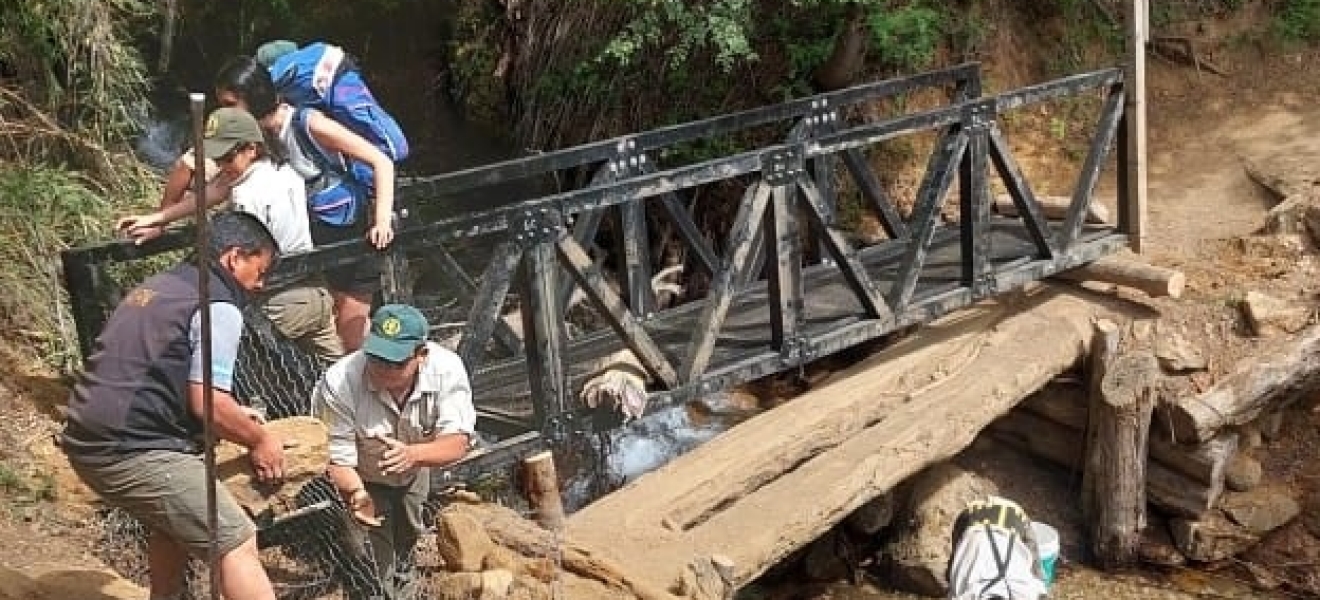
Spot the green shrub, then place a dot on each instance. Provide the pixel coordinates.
(906, 38)
(1298, 21)
(43, 210)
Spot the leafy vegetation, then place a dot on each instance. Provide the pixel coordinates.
(1298, 21)
(68, 110)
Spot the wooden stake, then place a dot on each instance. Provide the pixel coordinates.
(1114, 477)
(543, 490)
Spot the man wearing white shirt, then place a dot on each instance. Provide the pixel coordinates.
(395, 408)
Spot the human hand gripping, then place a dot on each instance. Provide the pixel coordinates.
(363, 507)
(267, 458)
(141, 228)
(398, 458)
(380, 235)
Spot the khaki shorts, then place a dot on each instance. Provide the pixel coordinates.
(306, 315)
(166, 491)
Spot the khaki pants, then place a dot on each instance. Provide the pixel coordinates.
(166, 491)
(306, 315)
(391, 544)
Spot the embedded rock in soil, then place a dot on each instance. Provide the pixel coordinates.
(63, 583)
(1242, 473)
(461, 541)
(918, 555)
(1269, 316)
(1210, 538)
(1156, 547)
(1260, 510)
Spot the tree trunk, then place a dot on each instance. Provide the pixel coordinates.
(1254, 387)
(849, 54)
(1121, 402)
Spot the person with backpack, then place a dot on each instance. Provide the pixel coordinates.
(234, 84)
(303, 311)
(350, 195)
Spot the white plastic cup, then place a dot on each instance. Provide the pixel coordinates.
(1047, 550)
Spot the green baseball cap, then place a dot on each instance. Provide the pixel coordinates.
(396, 332)
(271, 51)
(228, 127)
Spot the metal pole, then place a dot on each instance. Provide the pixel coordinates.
(197, 102)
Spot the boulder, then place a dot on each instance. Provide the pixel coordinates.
(461, 541)
(828, 558)
(306, 456)
(49, 582)
(1177, 356)
(1269, 316)
(873, 516)
(1156, 547)
(1210, 538)
(1242, 473)
(917, 557)
(1260, 510)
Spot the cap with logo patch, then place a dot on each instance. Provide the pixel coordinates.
(228, 127)
(396, 332)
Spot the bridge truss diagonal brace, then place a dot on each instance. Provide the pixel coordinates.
(1101, 145)
(750, 212)
(852, 269)
(622, 320)
(1019, 190)
(934, 187)
(484, 317)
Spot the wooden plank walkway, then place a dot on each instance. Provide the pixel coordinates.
(774, 483)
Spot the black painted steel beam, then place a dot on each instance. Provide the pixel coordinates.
(484, 318)
(1084, 192)
(1038, 227)
(930, 199)
(622, 320)
(722, 289)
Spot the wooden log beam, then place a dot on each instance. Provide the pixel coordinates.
(1120, 407)
(1256, 385)
(1154, 281)
(1204, 462)
(1167, 489)
(917, 403)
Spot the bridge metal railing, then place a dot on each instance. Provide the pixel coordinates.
(508, 272)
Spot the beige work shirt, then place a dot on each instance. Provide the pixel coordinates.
(356, 412)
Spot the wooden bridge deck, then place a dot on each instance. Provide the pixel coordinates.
(759, 491)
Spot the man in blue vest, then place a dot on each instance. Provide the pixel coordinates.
(136, 413)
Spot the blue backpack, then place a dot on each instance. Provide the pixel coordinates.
(346, 185)
(323, 77)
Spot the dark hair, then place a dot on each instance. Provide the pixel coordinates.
(234, 229)
(250, 81)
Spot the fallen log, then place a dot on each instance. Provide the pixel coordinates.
(846, 442)
(1154, 281)
(1205, 462)
(1166, 489)
(1052, 207)
(1258, 384)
